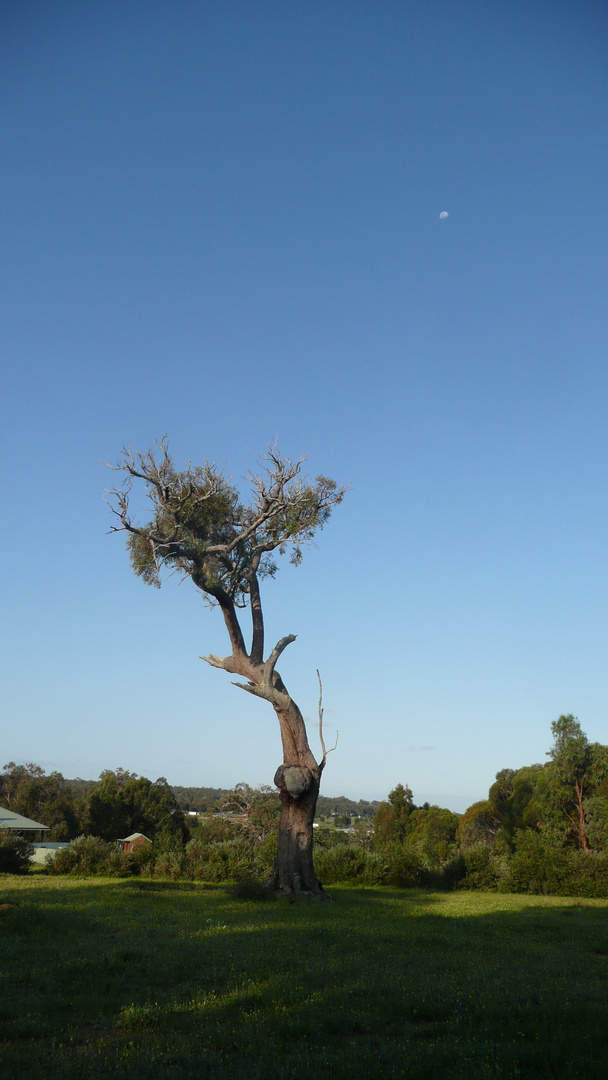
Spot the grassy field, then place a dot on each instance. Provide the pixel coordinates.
(137, 979)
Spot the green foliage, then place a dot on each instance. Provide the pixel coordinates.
(346, 863)
(328, 838)
(227, 860)
(391, 822)
(27, 790)
(257, 810)
(431, 836)
(89, 855)
(511, 805)
(404, 866)
(200, 528)
(571, 786)
(596, 815)
(123, 803)
(416, 843)
(544, 828)
(171, 864)
(205, 511)
(328, 805)
(477, 825)
(551, 869)
(202, 799)
(15, 853)
(482, 868)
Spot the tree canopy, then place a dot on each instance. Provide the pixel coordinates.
(201, 528)
(123, 803)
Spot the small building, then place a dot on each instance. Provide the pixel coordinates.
(43, 853)
(18, 825)
(134, 841)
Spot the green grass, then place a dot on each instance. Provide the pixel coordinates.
(135, 979)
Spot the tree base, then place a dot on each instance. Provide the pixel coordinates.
(291, 887)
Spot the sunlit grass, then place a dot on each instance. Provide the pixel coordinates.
(150, 979)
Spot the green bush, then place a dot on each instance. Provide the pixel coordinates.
(15, 854)
(142, 859)
(482, 868)
(405, 869)
(345, 863)
(227, 860)
(89, 855)
(539, 866)
(169, 864)
(452, 873)
(223, 861)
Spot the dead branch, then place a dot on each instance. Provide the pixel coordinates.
(325, 752)
(215, 661)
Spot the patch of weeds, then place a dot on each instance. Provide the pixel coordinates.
(250, 888)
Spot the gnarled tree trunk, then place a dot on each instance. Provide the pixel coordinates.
(298, 778)
(294, 871)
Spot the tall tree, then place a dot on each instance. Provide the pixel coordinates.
(575, 773)
(27, 790)
(123, 803)
(392, 819)
(200, 528)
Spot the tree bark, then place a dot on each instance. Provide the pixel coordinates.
(298, 778)
(294, 872)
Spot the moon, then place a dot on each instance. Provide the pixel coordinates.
(443, 215)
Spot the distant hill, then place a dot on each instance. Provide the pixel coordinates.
(339, 804)
(203, 799)
(206, 799)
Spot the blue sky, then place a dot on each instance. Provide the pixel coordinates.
(221, 221)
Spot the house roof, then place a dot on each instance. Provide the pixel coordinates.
(134, 836)
(10, 820)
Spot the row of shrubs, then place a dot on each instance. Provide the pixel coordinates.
(225, 860)
(535, 867)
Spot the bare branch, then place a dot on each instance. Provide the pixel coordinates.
(251, 688)
(270, 664)
(325, 752)
(215, 661)
(324, 759)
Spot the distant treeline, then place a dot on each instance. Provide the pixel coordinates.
(121, 802)
(206, 799)
(542, 828)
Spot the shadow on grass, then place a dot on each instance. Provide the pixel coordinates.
(130, 978)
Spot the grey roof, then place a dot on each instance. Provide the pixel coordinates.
(10, 820)
(134, 836)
